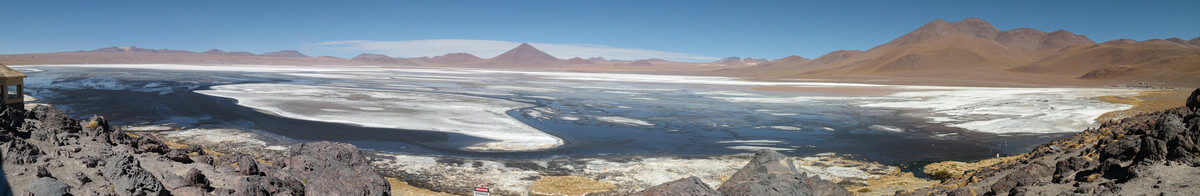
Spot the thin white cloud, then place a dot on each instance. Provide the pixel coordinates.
(491, 48)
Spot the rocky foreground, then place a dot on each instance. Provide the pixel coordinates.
(47, 153)
(768, 173)
(1149, 154)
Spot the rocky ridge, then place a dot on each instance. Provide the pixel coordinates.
(1151, 153)
(47, 153)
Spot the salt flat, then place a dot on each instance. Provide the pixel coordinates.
(474, 116)
(532, 111)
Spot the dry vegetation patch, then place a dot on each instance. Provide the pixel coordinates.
(1145, 101)
(955, 169)
(402, 188)
(569, 185)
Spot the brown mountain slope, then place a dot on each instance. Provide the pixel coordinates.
(970, 49)
(936, 47)
(968, 45)
(1125, 60)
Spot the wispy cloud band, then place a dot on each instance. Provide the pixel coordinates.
(490, 48)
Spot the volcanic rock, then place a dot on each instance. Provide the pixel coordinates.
(772, 173)
(684, 186)
(1193, 101)
(195, 178)
(128, 176)
(48, 186)
(178, 155)
(334, 169)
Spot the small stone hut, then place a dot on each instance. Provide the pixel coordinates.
(13, 89)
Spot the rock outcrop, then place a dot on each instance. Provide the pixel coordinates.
(1152, 153)
(772, 173)
(685, 186)
(1193, 101)
(45, 152)
(334, 169)
(127, 176)
(768, 173)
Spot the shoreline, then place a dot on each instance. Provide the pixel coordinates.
(485, 165)
(1144, 101)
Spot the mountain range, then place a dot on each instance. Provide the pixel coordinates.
(943, 52)
(973, 49)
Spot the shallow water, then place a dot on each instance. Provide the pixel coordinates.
(595, 115)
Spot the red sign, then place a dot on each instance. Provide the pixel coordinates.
(481, 189)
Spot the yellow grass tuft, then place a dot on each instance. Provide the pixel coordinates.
(954, 169)
(93, 124)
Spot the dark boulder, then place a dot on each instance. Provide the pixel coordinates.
(243, 164)
(1193, 101)
(684, 186)
(82, 178)
(178, 156)
(18, 151)
(51, 119)
(151, 144)
(194, 178)
(90, 162)
(265, 185)
(43, 173)
(1124, 149)
(771, 173)
(129, 178)
(11, 119)
(171, 181)
(1153, 149)
(48, 186)
(1029, 175)
(205, 159)
(1065, 170)
(97, 127)
(1112, 169)
(193, 149)
(334, 169)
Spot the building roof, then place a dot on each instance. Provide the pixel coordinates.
(7, 72)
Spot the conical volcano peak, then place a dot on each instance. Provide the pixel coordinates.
(525, 55)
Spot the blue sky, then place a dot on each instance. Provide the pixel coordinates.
(681, 30)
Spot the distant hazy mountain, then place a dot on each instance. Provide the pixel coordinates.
(285, 53)
(740, 61)
(455, 58)
(379, 58)
(133, 54)
(232, 53)
(577, 61)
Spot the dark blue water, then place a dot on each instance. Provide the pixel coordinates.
(687, 121)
